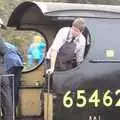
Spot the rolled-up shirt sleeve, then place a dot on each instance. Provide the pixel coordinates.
(59, 40)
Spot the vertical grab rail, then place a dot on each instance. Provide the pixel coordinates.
(48, 99)
(48, 91)
(13, 97)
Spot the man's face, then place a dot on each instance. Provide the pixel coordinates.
(75, 31)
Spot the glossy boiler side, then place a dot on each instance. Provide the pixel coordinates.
(91, 91)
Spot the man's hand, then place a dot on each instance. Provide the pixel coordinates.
(50, 71)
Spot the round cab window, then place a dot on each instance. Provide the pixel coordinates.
(32, 46)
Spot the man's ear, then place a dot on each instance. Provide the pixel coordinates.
(3, 27)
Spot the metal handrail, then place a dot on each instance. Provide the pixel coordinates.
(13, 94)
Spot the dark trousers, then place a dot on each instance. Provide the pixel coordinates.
(16, 71)
(6, 98)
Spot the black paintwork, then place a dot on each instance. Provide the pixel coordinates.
(97, 71)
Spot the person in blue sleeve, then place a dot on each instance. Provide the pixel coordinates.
(13, 63)
(5, 90)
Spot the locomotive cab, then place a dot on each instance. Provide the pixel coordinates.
(88, 90)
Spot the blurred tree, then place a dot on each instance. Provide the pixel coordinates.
(1, 4)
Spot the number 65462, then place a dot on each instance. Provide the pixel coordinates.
(81, 100)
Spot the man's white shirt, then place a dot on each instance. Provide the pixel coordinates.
(62, 37)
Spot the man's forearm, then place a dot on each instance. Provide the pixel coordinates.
(53, 58)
